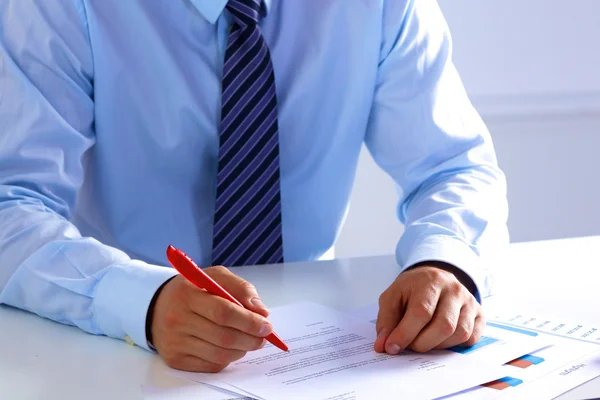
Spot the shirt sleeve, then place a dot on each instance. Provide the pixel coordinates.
(46, 130)
(425, 133)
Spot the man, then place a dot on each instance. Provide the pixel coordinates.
(232, 129)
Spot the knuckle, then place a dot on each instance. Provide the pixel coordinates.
(462, 334)
(455, 288)
(384, 299)
(437, 273)
(447, 326)
(222, 314)
(480, 321)
(226, 339)
(222, 270)
(437, 276)
(216, 270)
(423, 311)
(248, 287)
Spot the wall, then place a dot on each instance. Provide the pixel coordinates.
(532, 69)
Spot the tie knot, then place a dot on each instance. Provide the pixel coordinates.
(245, 12)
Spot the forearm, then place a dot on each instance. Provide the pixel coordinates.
(47, 268)
(459, 218)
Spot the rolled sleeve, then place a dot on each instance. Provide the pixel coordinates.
(123, 296)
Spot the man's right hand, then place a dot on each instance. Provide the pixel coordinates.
(196, 331)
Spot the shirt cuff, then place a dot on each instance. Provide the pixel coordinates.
(453, 251)
(122, 298)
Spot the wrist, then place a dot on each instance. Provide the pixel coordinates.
(460, 275)
(150, 313)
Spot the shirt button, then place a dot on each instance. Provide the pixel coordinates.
(129, 340)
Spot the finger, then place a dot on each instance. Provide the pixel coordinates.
(193, 364)
(209, 352)
(464, 328)
(382, 336)
(239, 288)
(390, 313)
(225, 313)
(442, 326)
(421, 308)
(221, 336)
(478, 328)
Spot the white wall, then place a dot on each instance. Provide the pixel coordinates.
(532, 69)
(516, 47)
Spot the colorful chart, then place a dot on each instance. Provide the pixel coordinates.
(526, 361)
(503, 383)
(484, 341)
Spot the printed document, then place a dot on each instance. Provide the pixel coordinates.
(331, 357)
(571, 360)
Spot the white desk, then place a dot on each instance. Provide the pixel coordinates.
(40, 359)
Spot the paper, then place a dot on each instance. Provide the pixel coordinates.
(561, 380)
(546, 373)
(571, 361)
(500, 342)
(331, 357)
(367, 313)
(552, 326)
(535, 382)
(187, 393)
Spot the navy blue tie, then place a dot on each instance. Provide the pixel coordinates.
(247, 224)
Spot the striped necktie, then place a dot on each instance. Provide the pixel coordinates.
(247, 224)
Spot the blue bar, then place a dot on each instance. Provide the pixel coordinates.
(512, 329)
(532, 359)
(511, 381)
(484, 341)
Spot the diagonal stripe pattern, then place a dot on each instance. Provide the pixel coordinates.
(247, 225)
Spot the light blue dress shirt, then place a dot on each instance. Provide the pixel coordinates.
(109, 122)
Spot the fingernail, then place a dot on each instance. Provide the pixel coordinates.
(264, 330)
(392, 349)
(257, 303)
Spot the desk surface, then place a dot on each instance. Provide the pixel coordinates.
(40, 359)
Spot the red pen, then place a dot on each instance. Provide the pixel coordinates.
(190, 271)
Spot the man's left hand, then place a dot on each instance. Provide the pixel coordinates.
(427, 308)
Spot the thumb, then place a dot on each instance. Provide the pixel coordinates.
(241, 289)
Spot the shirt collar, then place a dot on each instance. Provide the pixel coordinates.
(212, 9)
